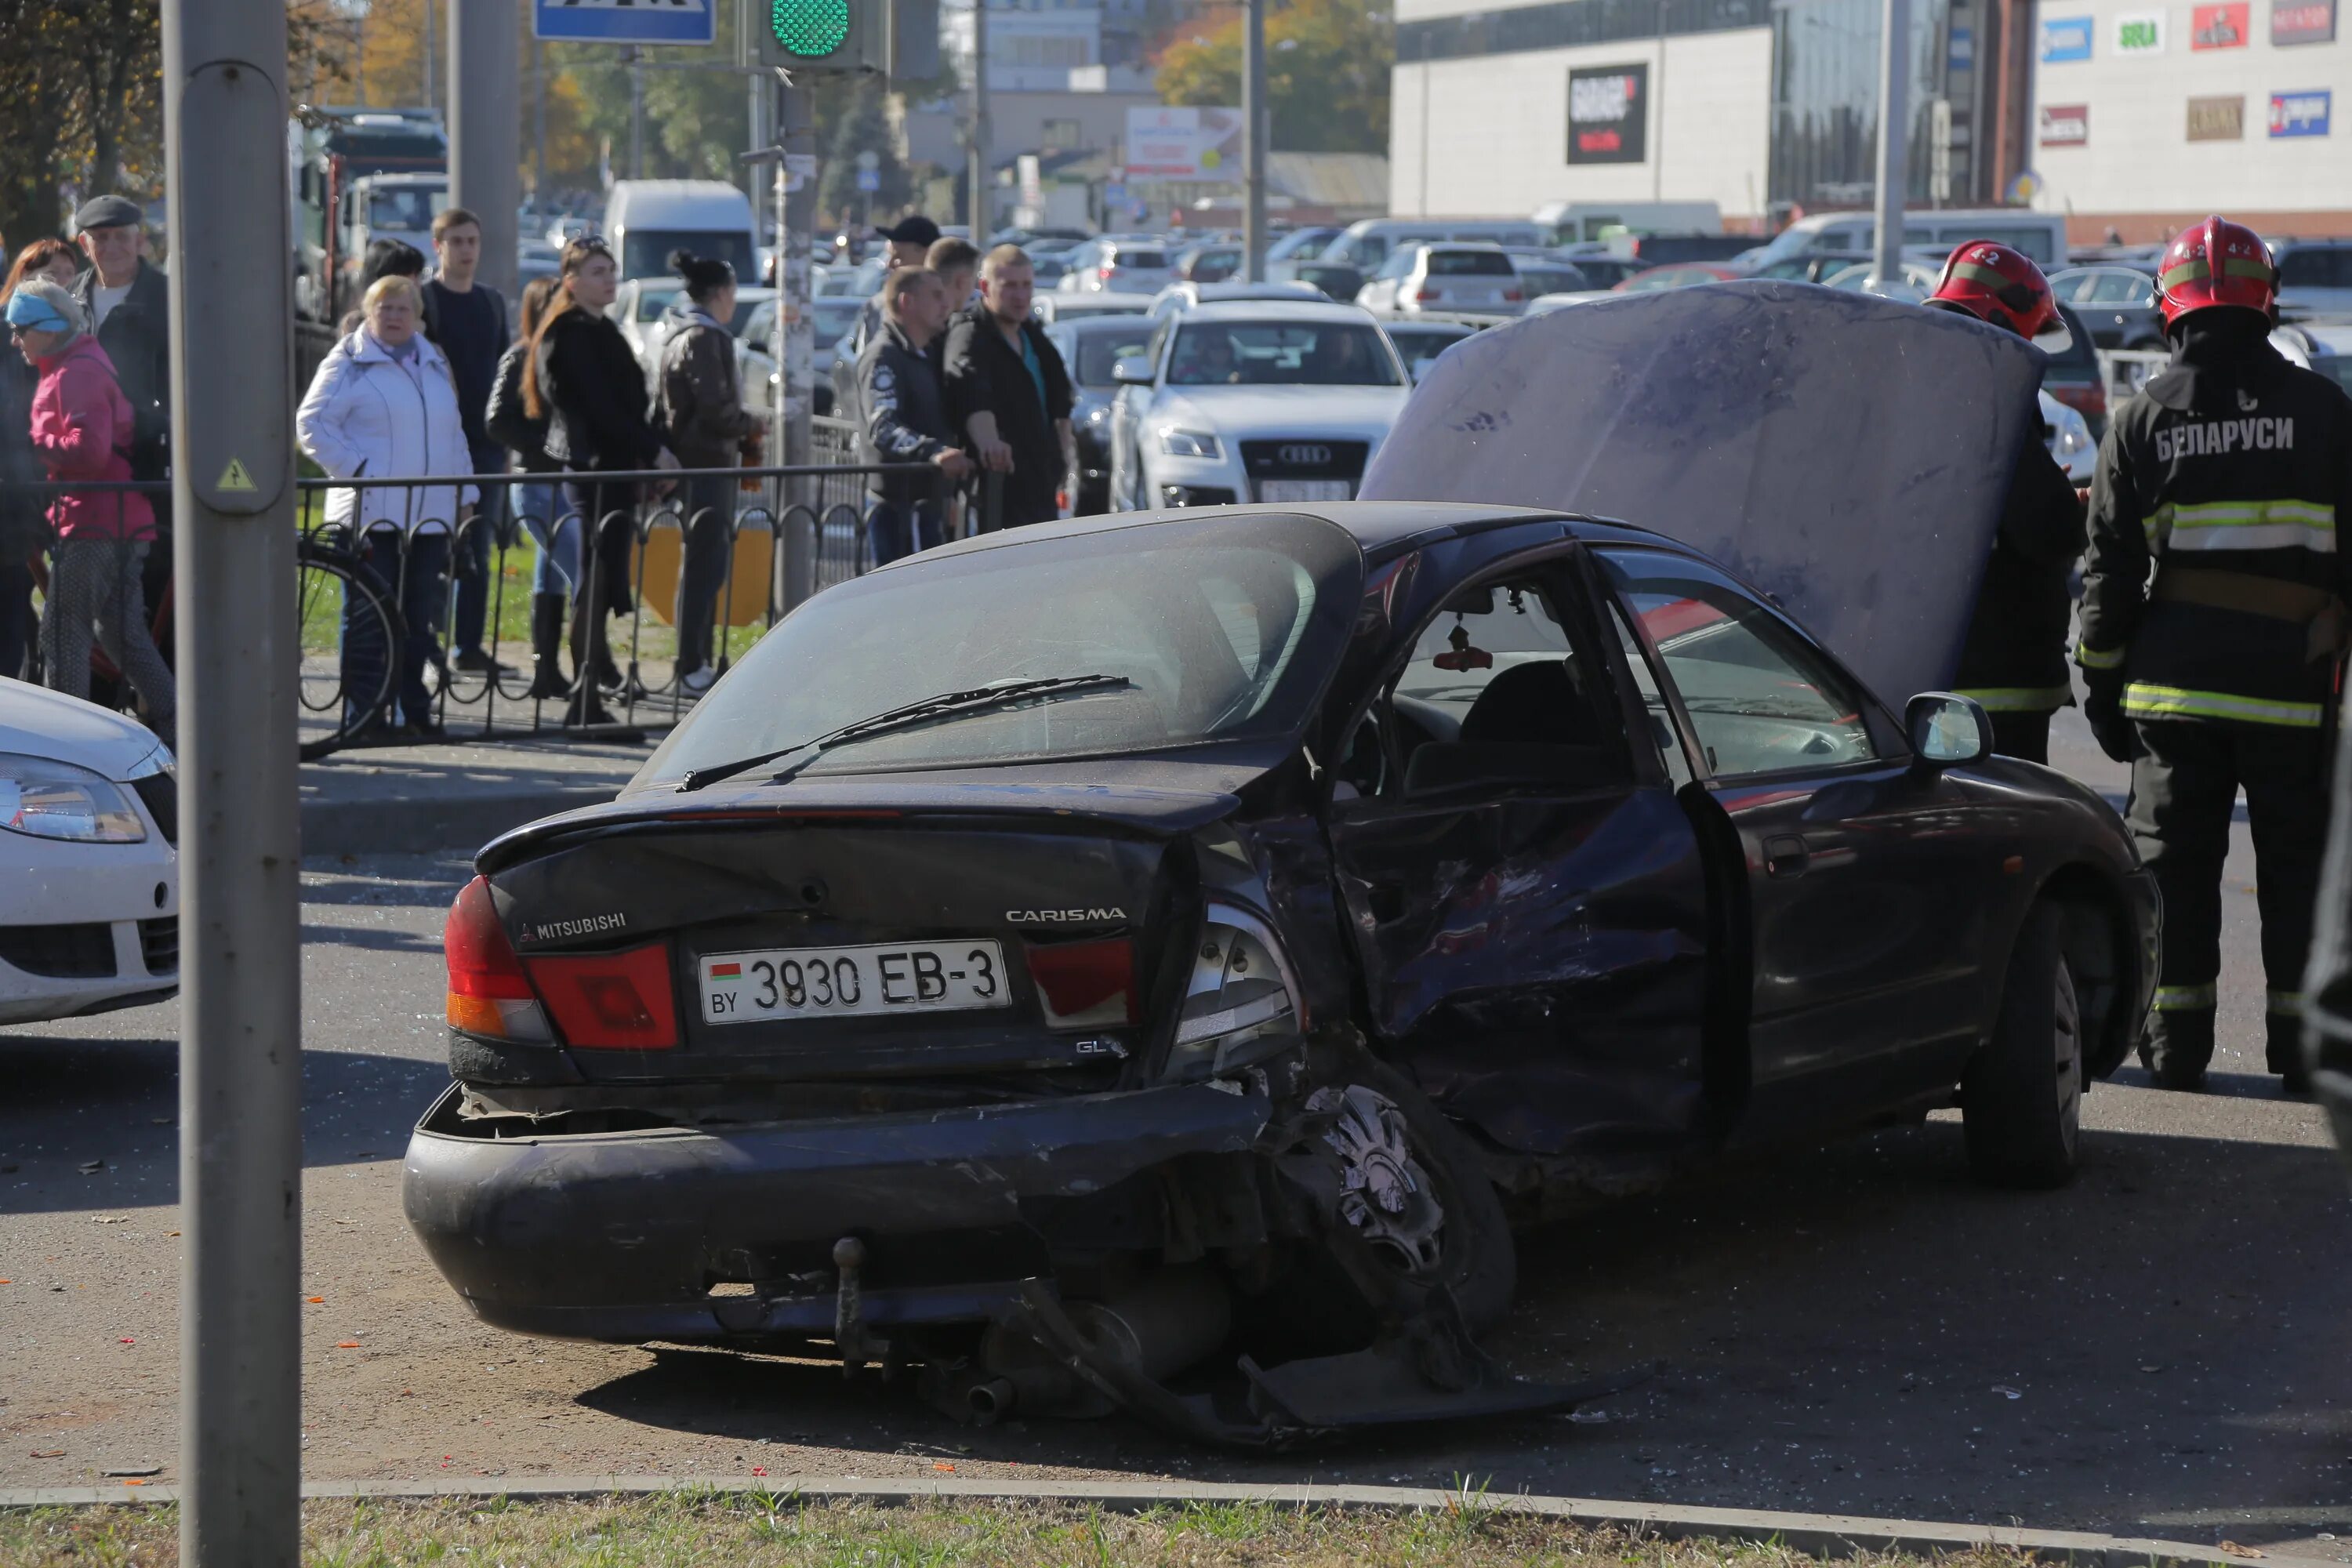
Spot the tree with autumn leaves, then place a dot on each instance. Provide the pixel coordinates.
(1327, 70)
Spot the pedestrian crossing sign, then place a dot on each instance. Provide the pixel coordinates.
(624, 21)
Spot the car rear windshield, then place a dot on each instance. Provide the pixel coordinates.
(1227, 629)
(1469, 264)
(1098, 351)
(1150, 260)
(644, 252)
(1280, 353)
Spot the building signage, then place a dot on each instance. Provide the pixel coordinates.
(2065, 124)
(1961, 53)
(1608, 114)
(2301, 113)
(2303, 21)
(2065, 38)
(622, 22)
(2218, 27)
(2216, 119)
(1183, 144)
(2139, 33)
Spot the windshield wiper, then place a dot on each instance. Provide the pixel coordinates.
(946, 705)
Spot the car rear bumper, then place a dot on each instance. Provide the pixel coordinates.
(623, 1235)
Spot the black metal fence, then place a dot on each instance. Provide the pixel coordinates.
(591, 604)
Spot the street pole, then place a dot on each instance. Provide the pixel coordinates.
(429, 102)
(485, 133)
(1894, 124)
(755, 136)
(1257, 123)
(978, 158)
(539, 125)
(636, 115)
(794, 344)
(231, 327)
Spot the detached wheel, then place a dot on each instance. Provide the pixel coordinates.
(1412, 1186)
(2022, 1098)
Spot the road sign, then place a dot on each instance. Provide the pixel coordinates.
(620, 22)
(870, 179)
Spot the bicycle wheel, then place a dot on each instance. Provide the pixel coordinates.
(351, 650)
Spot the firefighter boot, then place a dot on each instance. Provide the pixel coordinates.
(2178, 1045)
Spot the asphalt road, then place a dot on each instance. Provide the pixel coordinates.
(2160, 1348)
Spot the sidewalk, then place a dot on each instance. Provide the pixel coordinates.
(455, 795)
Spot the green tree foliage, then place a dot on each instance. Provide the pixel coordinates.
(84, 89)
(1327, 72)
(862, 128)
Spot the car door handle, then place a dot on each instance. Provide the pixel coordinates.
(1785, 856)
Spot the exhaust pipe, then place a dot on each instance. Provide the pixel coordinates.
(1180, 1316)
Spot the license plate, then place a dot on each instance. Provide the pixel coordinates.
(1304, 490)
(852, 982)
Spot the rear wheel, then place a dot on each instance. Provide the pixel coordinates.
(351, 650)
(2022, 1100)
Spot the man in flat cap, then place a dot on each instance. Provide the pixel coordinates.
(127, 304)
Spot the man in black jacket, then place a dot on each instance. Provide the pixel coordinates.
(127, 304)
(1009, 391)
(905, 417)
(2227, 475)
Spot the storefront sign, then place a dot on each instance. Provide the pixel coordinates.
(2139, 33)
(2301, 113)
(1608, 114)
(2065, 38)
(1183, 144)
(2218, 27)
(2065, 124)
(2216, 119)
(2303, 21)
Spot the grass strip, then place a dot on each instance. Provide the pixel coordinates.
(755, 1530)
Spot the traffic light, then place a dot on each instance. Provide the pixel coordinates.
(827, 34)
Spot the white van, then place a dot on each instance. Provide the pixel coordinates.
(2041, 236)
(1365, 245)
(644, 220)
(1572, 222)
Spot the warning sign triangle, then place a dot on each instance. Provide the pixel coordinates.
(235, 478)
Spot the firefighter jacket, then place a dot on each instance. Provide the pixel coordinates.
(2226, 477)
(2014, 660)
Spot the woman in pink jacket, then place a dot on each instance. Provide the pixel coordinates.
(82, 432)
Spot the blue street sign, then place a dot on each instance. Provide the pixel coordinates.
(1114, 196)
(2301, 113)
(870, 179)
(624, 21)
(2065, 38)
(1963, 50)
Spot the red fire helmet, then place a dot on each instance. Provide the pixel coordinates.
(1999, 284)
(2216, 262)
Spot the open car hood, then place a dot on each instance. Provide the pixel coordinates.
(1848, 455)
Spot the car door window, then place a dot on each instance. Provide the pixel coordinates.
(1495, 696)
(1760, 698)
(1662, 734)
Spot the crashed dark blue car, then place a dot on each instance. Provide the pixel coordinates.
(1155, 962)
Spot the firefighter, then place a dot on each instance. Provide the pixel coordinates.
(2014, 661)
(2226, 475)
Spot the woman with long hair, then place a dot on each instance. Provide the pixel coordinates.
(584, 379)
(555, 575)
(23, 528)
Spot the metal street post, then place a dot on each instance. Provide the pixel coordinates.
(1257, 123)
(1893, 124)
(978, 157)
(637, 113)
(796, 134)
(485, 131)
(232, 329)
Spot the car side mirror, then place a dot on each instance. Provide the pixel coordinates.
(1947, 730)
(1133, 371)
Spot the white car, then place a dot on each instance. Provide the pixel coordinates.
(1178, 297)
(1454, 279)
(89, 881)
(2068, 436)
(1253, 401)
(642, 309)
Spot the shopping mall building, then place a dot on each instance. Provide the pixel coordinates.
(2137, 115)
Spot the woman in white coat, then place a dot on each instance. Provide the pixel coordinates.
(384, 406)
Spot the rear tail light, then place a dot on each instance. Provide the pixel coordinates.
(611, 1001)
(490, 995)
(1512, 296)
(1084, 984)
(1426, 295)
(1239, 1005)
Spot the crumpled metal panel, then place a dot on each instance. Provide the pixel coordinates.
(1846, 454)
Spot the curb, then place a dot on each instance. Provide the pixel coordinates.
(463, 821)
(1812, 1534)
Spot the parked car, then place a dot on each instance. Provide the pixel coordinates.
(1916, 283)
(832, 316)
(90, 876)
(1300, 243)
(1253, 401)
(1812, 266)
(2323, 346)
(1090, 346)
(1681, 275)
(2315, 277)
(1179, 297)
(1456, 279)
(1062, 305)
(1366, 244)
(2075, 377)
(1118, 264)
(2068, 437)
(1208, 261)
(2040, 236)
(1419, 341)
(2117, 305)
(642, 305)
(1334, 279)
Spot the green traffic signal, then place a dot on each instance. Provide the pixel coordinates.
(811, 29)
